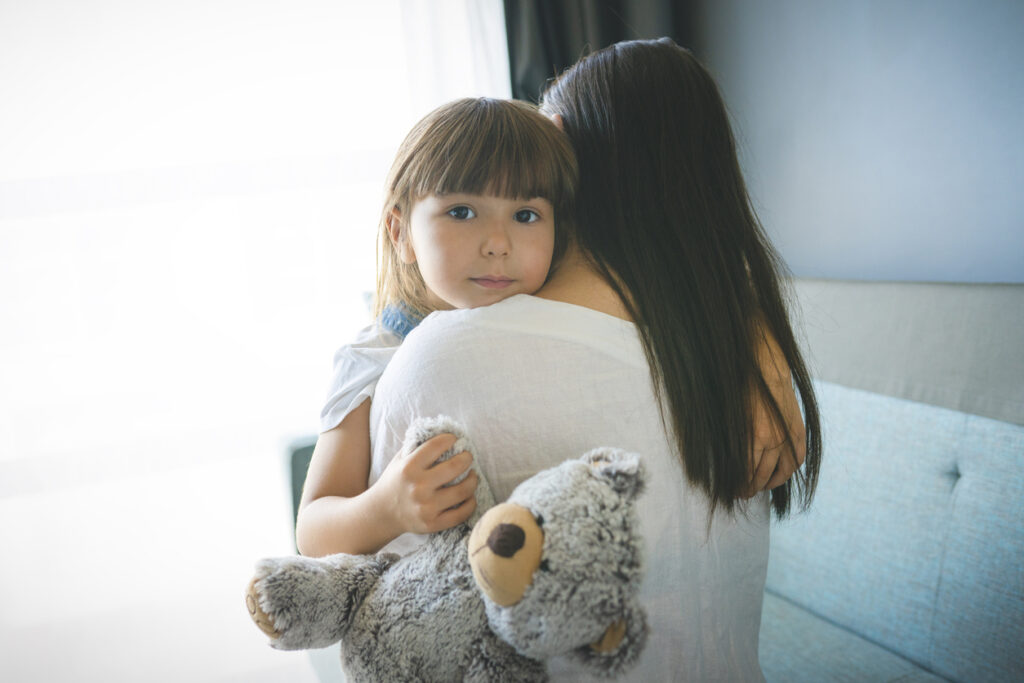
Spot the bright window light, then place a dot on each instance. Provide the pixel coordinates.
(189, 195)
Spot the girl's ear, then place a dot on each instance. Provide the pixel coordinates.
(399, 237)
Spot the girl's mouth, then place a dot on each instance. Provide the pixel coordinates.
(493, 282)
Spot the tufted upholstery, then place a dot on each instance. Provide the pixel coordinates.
(910, 564)
(916, 537)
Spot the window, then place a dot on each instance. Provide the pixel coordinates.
(190, 194)
(188, 204)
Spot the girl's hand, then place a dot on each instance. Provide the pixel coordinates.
(413, 492)
(773, 460)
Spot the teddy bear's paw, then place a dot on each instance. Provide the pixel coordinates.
(620, 646)
(424, 429)
(259, 617)
(308, 602)
(281, 597)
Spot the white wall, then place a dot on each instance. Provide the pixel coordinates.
(881, 140)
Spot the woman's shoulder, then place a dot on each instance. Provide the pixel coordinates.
(464, 320)
(524, 321)
(528, 314)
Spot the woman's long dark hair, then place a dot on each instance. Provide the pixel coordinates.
(664, 215)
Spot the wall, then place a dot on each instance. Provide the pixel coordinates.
(881, 140)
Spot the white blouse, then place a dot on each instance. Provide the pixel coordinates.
(538, 381)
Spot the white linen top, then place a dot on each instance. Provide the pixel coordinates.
(357, 367)
(536, 382)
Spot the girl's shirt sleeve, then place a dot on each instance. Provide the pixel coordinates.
(357, 367)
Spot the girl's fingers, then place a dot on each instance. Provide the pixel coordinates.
(444, 472)
(448, 506)
(783, 471)
(451, 496)
(440, 506)
(456, 515)
(427, 453)
(763, 471)
(800, 442)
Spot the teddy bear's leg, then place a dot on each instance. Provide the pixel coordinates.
(302, 602)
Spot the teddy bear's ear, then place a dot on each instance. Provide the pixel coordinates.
(422, 429)
(623, 471)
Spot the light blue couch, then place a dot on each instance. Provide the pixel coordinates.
(910, 564)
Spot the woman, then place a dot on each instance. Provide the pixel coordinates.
(663, 332)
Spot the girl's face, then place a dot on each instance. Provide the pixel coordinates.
(474, 250)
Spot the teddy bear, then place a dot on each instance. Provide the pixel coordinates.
(554, 570)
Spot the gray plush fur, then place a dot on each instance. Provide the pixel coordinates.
(423, 618)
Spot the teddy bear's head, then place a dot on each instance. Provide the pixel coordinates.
(560, 563)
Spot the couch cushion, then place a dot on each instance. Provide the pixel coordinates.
(916, 535)
(799, 647)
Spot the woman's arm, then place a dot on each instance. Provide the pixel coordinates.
(339, 513)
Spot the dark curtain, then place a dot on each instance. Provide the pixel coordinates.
(546, 36)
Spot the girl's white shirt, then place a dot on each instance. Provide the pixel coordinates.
(538, 381)
(357, 367)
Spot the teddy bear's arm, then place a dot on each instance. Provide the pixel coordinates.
(302, 602)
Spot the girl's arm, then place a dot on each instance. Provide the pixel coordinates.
(338, 513)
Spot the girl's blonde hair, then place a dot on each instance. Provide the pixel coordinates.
(505, 148)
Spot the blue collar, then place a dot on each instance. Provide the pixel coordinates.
(399, 320)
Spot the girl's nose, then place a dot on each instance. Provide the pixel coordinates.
(497, 242)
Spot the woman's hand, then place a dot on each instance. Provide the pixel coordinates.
(414, 491)
(773, 460)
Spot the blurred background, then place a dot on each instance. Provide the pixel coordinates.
(189, 196)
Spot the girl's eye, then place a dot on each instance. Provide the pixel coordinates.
(526, 216)
(461, 213)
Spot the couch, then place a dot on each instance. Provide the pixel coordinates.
(909, 565)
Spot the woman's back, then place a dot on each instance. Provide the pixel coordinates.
(663, 217)
(536, 382)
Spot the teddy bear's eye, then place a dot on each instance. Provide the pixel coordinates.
(544, 567)
(540, 520)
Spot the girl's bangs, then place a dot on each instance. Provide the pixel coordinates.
(510, 160)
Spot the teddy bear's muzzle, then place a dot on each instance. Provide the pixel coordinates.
(504, 552)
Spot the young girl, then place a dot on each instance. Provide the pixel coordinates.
(468, 220)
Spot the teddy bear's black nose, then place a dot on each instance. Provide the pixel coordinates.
(506, 539)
